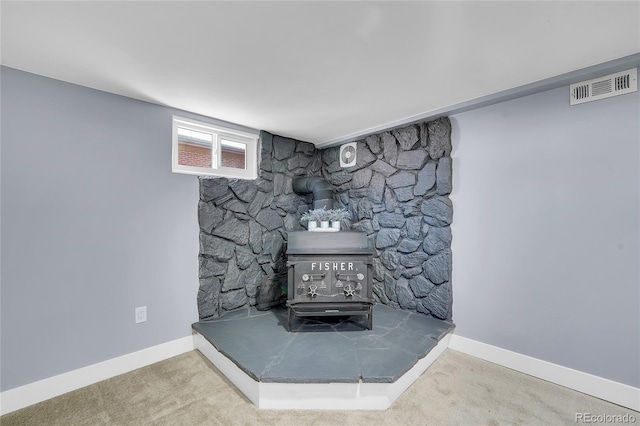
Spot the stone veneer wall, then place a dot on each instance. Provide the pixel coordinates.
(244, 224)
(398, 194)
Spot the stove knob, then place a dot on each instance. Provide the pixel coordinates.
(360, 277)
(312, 291)
(305, 277)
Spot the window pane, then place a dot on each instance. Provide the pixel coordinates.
(194, 148)
(232, 154)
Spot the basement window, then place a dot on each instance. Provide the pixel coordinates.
(206, 149)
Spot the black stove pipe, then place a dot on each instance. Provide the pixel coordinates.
(321, 189)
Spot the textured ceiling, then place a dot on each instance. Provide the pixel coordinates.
(315, 71)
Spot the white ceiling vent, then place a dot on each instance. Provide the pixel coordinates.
(604, 87)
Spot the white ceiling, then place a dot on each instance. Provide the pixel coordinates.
(315, 71)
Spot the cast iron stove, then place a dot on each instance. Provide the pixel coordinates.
(329, 275)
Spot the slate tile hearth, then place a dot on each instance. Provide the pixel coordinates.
(324, 350)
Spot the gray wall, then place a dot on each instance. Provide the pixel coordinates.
(93, 224)
(546, 230)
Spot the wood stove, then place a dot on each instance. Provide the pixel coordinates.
(329, 275)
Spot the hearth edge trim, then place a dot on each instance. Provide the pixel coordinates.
(318, 396)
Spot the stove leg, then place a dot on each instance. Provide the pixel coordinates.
(370, 319)
(290, 319)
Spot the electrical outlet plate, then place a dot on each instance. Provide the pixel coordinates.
(141, 314)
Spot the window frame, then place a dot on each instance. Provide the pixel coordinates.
(218, 132)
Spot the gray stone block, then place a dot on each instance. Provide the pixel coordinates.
(233, 299)
(304, 161)
(375, 223)
(438, 301)
(244, 257)
(265, 185)
(209, 298)
(283, 147)
(234, 278)
(387, 238)
(413, 227)
(363, 226)
(213, 188)
(426, 179)
(408, 246)
(390, 288)
(377, 208)
(341, 177)
(412, 207)
(361, 178)
(253, 278)
(404, 194)
(391, 220)
(439, 144)
(243, 189)
(209, 216)
(407, 137)
(257, 203)
(292, 223)
(413, 259)
(266, 163)
(330, 155)
(443, 176)
(378, 290)
(412, 160)
(233, 230)
(383, 168)
(210, 267)
(293, 162)
(279, 183)
(236, 206)
(272, 243)
(266, 142)
(437, 239)
(306, 148)
(404, 295)
(289, 203)
(216, 247)
(390, 259)
(365, 209)
(424, 135)
(390, 203)
(269, 219)
(223, 198)
(364, 157)
(420, 286)
(438, 268)
(420, 307)
(376, 188)
(401, 179)
(411, 272)
(438, 211)
(373, 142)
(390, 148)
(378, 269)
(255, 237)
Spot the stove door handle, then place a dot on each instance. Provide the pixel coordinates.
(356, 277)
(314, 277)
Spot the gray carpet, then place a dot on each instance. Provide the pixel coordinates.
(188, 390)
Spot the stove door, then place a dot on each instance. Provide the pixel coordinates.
(334, 280)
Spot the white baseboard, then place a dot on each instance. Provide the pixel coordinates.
(32, 393)
(608, 390)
